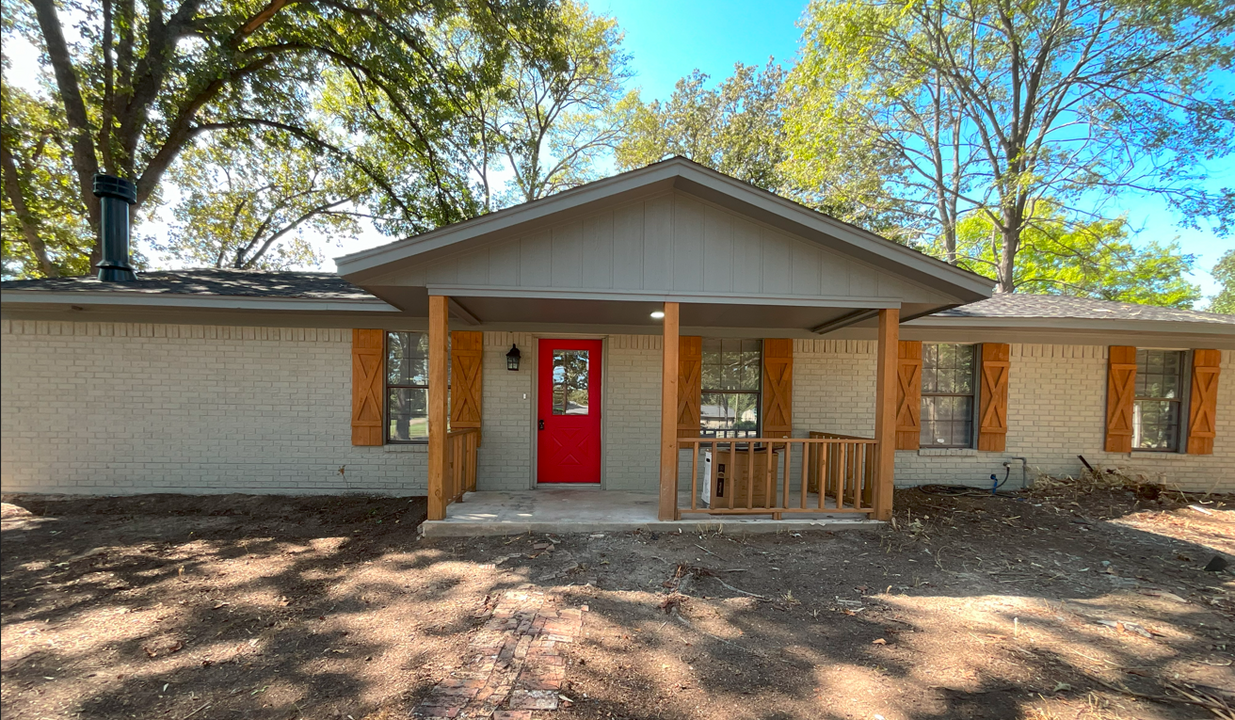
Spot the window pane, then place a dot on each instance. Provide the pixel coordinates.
(407, 358)
(732, 414)
(947, 421)
(1155, 425)
(570, 368)
(407, 413)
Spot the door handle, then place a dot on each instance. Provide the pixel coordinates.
(540, 424)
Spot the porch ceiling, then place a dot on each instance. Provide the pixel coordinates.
(793, 316)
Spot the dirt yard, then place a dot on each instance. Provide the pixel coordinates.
(1068, 603)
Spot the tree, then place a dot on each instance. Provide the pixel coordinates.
(735, 127)
(947, 108)
(43, 222)
(1094, 259)
(263, 204)
(562, 107)
(1224, 273)
(534, 126)
(136, 81)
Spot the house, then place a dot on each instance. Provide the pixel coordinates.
(669, 334)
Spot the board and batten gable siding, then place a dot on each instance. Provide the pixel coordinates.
(671, 243)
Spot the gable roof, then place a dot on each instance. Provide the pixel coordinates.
(683, 175)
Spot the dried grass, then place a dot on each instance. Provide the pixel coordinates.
(1088, 482)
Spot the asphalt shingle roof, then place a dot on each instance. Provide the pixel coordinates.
(329, 286)
(1060, 306)
(210, 281)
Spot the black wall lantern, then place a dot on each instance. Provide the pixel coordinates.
(512, 357)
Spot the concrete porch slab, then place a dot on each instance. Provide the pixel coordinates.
(572, 510)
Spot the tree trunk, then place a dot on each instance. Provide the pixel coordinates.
(1010, 234)
(12, 188)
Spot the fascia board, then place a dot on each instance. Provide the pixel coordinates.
(27, 298)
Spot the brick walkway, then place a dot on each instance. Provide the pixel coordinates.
(514, 666)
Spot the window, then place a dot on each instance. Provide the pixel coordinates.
(948, 393)
(570, 369)
(407, 387)
(1159, 390)
(732, 375)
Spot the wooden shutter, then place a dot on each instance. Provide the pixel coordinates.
(993, 420)
(368, 384)
(1120, 397)
(690, 385)
(908, 395)
(777, 388)
(1203, 404)
(466, 383)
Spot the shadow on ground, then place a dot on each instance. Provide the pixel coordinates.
(243, 606)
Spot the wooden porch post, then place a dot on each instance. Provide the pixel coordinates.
(438, 359)
(669, 417)
(885, 410)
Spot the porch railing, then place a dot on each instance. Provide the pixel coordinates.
(460, 462)
(754, 476)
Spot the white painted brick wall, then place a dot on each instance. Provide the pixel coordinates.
(117, 408)
(505, 455)
(1056, 411)
(632, 413)
(124, 408)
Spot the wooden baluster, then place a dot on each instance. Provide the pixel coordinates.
(750, 476)
(806, 446)
(767, 476)
(842, 473)
(821, 465)
(849, 476)
(783, 502)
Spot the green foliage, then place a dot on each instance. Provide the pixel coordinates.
(942, 109)
(540, 117)
(1093, 259)
(257, 203)
(1224, 273)
(133, 84)
(45, 232)
(735, 127)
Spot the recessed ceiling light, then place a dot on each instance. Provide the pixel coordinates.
(658, 314)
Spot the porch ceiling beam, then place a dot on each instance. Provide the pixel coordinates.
(463, 313)
(856, 316)
(541, 293)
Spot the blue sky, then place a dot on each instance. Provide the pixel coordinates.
(670, 38)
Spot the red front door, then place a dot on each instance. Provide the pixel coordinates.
(568, 416)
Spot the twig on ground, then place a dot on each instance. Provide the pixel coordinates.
(203, 707)
(740, 590)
